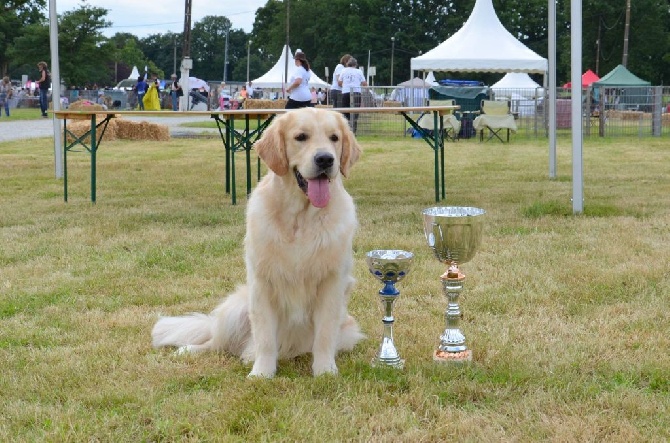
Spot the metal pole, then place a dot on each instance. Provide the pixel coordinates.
(248, 54)
(283, 88)
(551, 89)
(55, 86)
(225, 57)
(392, 51)
(576, 77)
(174, 55)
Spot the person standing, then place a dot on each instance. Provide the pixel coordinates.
(6, 92)
(335, 88)
(298, 87)
(44, 84)
(351, 80)
(141, 89)
(152, 97)
(250, 90)
(175, 92)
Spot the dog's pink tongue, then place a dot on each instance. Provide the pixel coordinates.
(318, 192)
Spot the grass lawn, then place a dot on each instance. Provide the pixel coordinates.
(567, 316)
(21, 114)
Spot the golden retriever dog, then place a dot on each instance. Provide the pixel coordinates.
(300, 224)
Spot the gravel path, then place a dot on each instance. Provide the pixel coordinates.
(44, 127)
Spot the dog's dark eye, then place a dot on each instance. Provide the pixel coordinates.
(301, 137)
(334, 138)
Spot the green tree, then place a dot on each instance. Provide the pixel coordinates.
(127, 53)
(16, 18)
(208, 42)
(84, 58)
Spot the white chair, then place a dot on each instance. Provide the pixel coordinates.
(452, 126)
(495, 116)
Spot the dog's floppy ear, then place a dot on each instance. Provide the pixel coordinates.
(272, 149)
(351, 150)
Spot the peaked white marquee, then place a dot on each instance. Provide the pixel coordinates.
(275, 77)
(481, 45)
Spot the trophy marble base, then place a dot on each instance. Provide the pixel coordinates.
(452, 357)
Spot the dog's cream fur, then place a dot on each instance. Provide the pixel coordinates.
(298, 256)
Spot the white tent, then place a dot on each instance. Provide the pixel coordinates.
(275, 77)
(481, 45)
(413, 92)
(430, 78)
(519, 83)
(134, 74)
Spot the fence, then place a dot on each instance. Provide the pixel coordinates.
(638, 111)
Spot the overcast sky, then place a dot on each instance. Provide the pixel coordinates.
(143, 18)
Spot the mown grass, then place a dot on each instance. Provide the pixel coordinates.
(567, 315)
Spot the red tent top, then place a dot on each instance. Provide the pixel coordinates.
(587, 78)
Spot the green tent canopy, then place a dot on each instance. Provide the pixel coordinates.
(621, 77)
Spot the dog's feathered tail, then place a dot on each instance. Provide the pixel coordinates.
(226, 328)
(192, 329)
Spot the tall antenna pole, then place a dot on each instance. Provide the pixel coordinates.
(625, 35)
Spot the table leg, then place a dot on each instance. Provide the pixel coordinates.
(94, 148)
(65, 159)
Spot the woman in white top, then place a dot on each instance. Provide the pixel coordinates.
(335, 88)
(298, 87)
(351, 80)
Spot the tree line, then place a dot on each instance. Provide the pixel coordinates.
(324, 30)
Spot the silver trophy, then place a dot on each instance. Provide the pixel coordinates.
(388, 266)
(454, 233)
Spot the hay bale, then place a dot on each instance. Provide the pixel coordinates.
(631, 115)
(85, 105)
(81, 127)
(129, 130)
(256, 103)
(324, 106)
(391, 104)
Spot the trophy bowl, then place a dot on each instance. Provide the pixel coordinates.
(454, 233)
(388, 266)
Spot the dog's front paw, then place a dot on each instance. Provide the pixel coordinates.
(324, 368)
(263, 369)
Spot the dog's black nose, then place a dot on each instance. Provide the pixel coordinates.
(324, 160)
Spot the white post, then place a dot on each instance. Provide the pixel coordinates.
(186, 66)
(551, 89)
(576, 106)
(55, 87)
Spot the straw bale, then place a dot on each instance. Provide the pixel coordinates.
(665, 119)
(391, 104)
(256, 103)
(81, 127)
(85, 105)
(130, 130)
(631, 115)
(323, 106)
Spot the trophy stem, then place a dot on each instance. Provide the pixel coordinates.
(388, 354)
(452, 346)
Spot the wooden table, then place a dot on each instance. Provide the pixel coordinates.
(242, 137)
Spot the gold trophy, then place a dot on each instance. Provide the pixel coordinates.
(454, 233)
